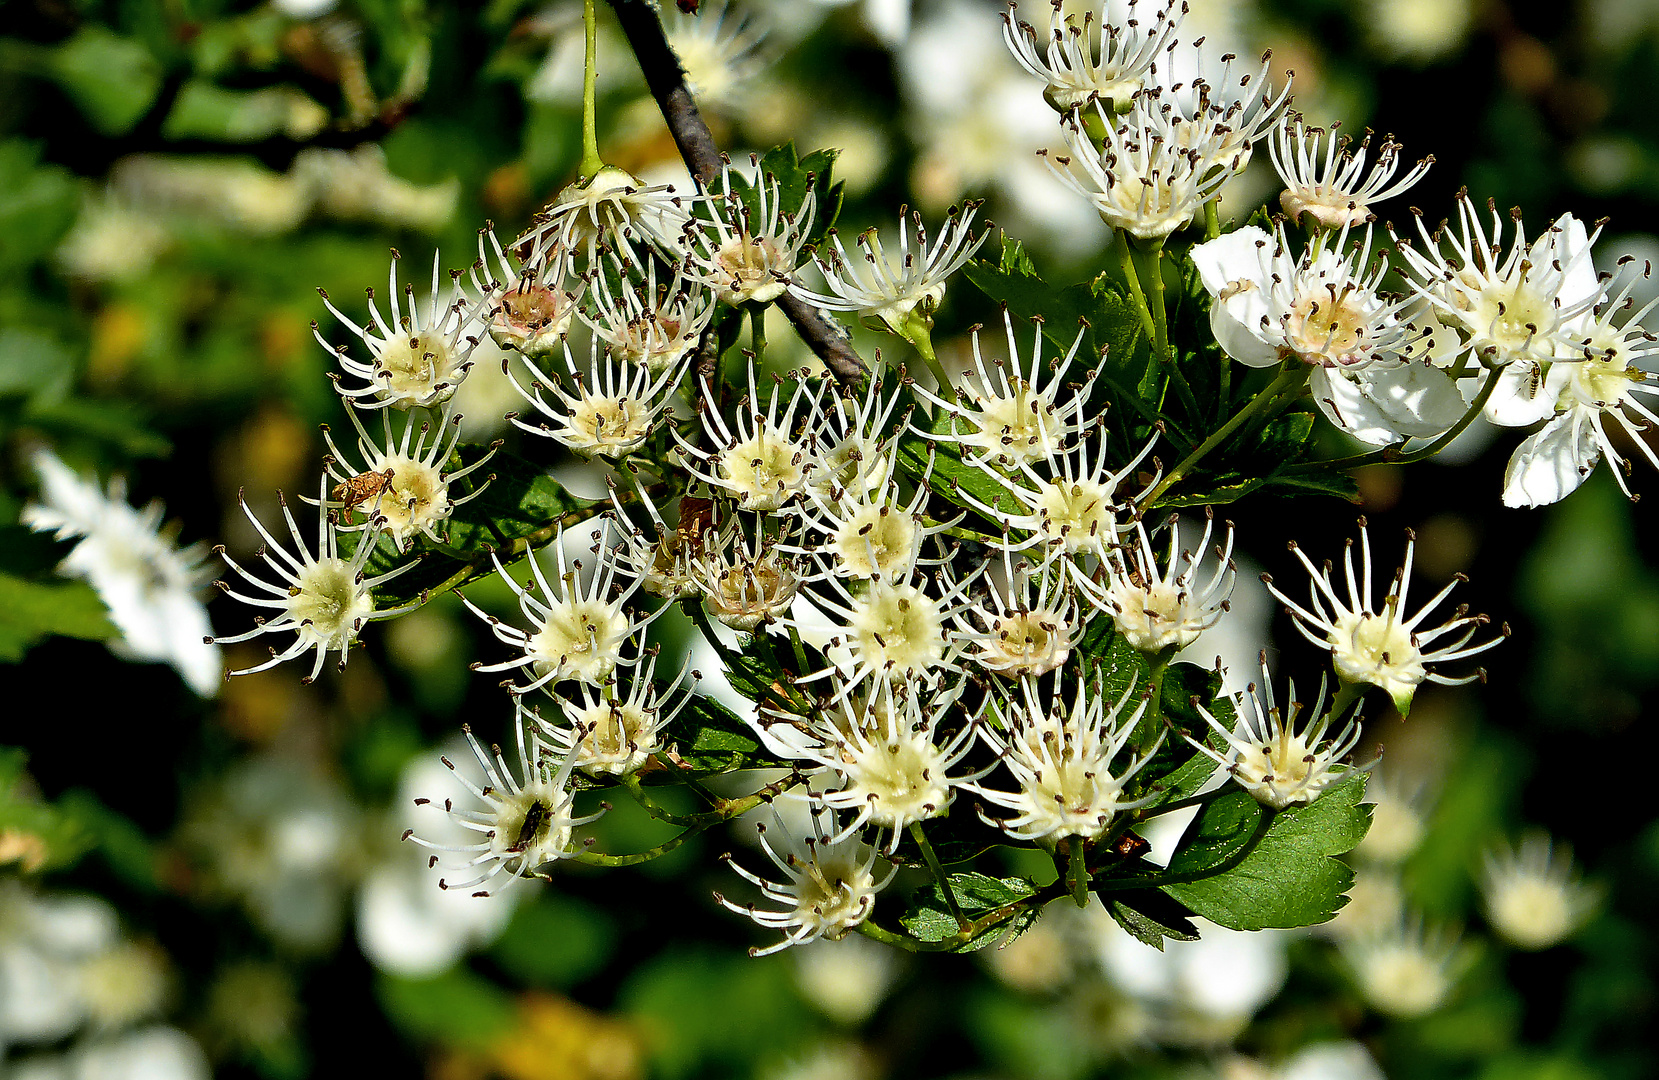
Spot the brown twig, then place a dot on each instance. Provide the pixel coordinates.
(666, 80)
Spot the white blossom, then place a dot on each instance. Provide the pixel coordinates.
(1109, 62)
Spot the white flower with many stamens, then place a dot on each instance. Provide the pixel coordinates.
(1110, 62)
(402, 486)
(1520, 310)
(1278, 762)
(648, 323)
(662, 564)
(580, 631)
(1333, 188)
(756, 458)
(1004, 419)
(896, 761)
(893, 630)
(873, 534)
(1533, 899)
(1405, 970)
(1164, 609)
(831, 883)
(1073, 513)
(1061, 756)
(416, 359)
(150, 585)
(610, 210)
(748, 253)
(1143, 180)
(1026, 624)
(526, 311)
(1385, 647)
(1230, 114)
(611, 733)
(746, 584)
(1552, 462)
(1323, 308)
(716, 53)
(524, 826)
(611, 408)
(894, 289)
(322, 599)
(852, 441)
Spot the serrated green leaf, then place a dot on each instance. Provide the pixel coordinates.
(1150, 916)
(1291, 877)
(520, 508)
(32, 610)
(929, 917)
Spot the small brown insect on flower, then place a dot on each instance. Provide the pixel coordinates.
(360, 489)
(687, 6)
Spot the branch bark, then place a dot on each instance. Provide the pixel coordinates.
(666, 80)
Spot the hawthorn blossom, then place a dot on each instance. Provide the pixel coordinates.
(1334, 189)
(1532, 897)
(1324, 308)
(416, 358)
(1110, 62)
(1383, 646)
(1164, 609)
(830, 887)
(748, 252)
(525, 825)
(909, 284)
(323, 599)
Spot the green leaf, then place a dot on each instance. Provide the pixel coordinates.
(949, 477)
(116, 423)
(1111, 327)
(519, 509)
(40, 836)
(32, 610)
(456, 1008)
(38, 204)
(709, 739)
(929, 917)
(1150, 916)
(1291, 878)
(112, 79)
(34, 364)
(756, 673)
(555, 941)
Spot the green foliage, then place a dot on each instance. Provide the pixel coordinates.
(701, 1009)
(457, 1008)
(708, 739)
(929, 917)
(795, 176)
(1289, 878)
(555, 941)
(37, 205)
(112, 79)
(1150, 916)
(33, 610)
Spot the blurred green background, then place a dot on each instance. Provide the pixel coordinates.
(216, 884)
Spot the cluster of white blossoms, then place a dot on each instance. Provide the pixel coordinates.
(911, 578)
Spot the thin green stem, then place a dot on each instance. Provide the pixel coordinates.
(1200, 799)
(594, 858)
(1291, 376)
(631, 784)
(917, 834)
(1077, 873)
(1134, 279)
(1212, 220)
(801, 664)
(591, 161)
(923, 344)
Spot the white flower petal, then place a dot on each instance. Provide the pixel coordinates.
(1551, 463)
(1522, 397)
